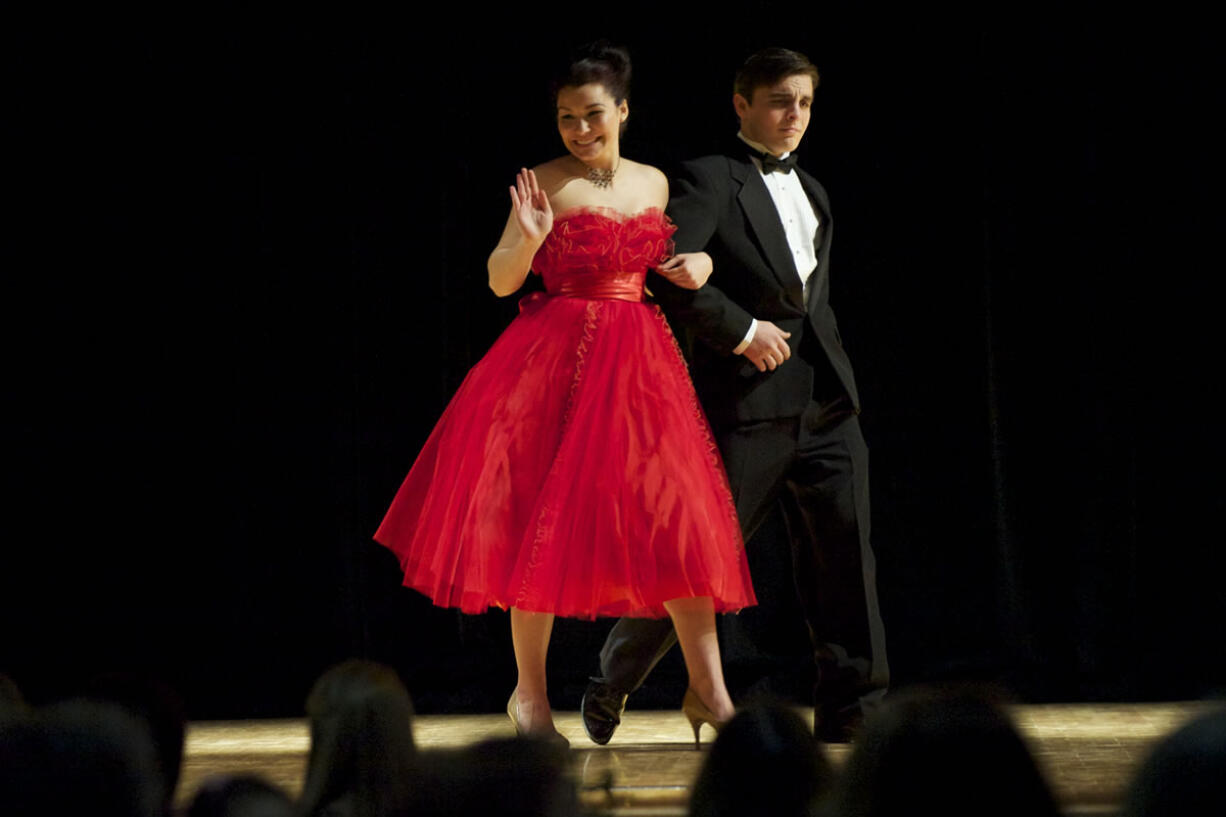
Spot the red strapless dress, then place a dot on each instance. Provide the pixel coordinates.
(574, 471)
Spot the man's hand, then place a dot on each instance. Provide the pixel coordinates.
(688, 270)
(769, 347)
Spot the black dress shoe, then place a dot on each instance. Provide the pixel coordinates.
(837, 724)
(837, 711)
(602, 710)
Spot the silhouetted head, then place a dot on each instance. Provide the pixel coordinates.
(510, 777)
(764, 762)
(362, 749)
(952, 752)
(239, 796)
(79, 757)
(1184, 774)
(160, 707)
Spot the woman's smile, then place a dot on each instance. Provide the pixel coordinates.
(589, 121)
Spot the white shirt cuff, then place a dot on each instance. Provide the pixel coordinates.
(744, 344)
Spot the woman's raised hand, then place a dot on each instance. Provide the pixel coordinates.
(531, 207)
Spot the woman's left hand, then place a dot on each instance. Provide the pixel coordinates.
(689, 270)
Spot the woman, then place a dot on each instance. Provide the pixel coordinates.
(950, 751)
(363, 759)
(765, 762)
(573, 473)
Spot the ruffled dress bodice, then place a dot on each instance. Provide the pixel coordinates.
(600, 253)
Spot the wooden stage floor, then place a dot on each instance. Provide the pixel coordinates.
(1088, 752)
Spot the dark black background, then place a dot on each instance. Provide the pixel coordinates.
(246, 270)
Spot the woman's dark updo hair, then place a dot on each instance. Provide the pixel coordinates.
(601, 62)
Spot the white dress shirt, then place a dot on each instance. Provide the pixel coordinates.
(800, 223)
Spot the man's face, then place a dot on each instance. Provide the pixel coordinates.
(778, 114)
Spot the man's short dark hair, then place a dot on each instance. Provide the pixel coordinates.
(768, 67)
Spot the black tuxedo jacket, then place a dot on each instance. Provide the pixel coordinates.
(721, 205)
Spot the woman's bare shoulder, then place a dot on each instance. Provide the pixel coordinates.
(645, 173)
(649, 179)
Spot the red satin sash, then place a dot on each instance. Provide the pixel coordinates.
(613, 286)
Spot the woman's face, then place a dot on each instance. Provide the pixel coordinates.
(590, 120)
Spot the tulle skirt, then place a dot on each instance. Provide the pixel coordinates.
(572, 473)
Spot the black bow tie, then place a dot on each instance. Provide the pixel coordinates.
(772, 163)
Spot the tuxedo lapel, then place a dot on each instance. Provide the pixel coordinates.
(818, 196)
(759, 208)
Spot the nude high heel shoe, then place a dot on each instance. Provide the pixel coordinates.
(698, 713)
(555, 737)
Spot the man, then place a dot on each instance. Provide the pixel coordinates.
(777, 386)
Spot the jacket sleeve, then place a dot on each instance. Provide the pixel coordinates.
(694, 206)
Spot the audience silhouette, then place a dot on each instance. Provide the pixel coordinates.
(942, 751)
(362, 760)
(952, 751)
(764, 762)
(1184, 774)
